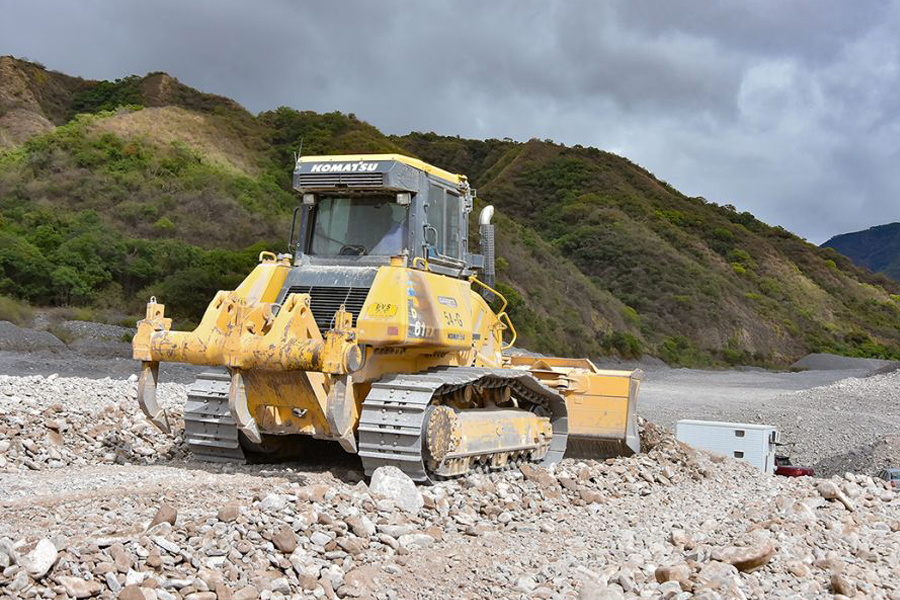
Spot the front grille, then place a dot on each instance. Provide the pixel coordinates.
(322, 180)
(326, 300)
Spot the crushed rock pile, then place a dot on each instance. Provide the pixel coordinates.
(844, 426)
(56, 422)
(672, 522)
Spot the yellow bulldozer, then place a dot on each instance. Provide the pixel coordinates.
(377, 332)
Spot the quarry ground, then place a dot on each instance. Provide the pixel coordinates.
(82, 477)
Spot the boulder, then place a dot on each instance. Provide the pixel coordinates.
(39, 561)
(396, 485)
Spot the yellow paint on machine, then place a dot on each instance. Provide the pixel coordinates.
(288, 377)
(601, 403)
(413, 308)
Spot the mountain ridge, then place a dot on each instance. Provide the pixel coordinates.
(876, 248)
(596, 254)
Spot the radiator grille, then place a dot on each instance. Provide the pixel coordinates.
(326, 300)
(320, 180)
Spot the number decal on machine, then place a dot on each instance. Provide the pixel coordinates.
(453, 319)
(382, 310)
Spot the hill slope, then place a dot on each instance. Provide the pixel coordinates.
(144, 185)
(876, 248)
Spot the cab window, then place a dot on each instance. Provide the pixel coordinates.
(357, 226)
(443, 216)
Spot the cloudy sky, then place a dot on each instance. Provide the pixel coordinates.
(789, 109)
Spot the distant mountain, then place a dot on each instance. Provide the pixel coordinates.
(111, 191)
(876, 248)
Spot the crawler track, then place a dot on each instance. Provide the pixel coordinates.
(395, 410)
(209, 430)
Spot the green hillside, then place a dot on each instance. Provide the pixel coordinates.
(113, 191)
(876, 248)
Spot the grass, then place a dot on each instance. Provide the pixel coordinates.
(15, 311)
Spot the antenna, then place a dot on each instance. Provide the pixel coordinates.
(299, 151)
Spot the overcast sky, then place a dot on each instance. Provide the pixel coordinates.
(787, 108)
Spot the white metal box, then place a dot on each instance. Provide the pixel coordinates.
(745, 441)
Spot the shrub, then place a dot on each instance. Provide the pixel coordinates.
(61, 333)
(16, 312)
(625, 344)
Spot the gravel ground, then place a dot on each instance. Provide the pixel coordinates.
(835, 421)
(98, 504)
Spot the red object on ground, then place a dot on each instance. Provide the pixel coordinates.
(795, 471)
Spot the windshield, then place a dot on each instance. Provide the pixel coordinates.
(354, 226)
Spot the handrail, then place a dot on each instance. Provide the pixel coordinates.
(500, 315)
(424, 261)
(515, 335)
(474, 279)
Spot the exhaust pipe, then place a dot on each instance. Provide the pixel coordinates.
(486, 232)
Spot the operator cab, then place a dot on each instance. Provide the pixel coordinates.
(362, 210)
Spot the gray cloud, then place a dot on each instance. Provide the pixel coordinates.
(788, 110)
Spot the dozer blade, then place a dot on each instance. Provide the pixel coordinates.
(601, 404)
(598, 448)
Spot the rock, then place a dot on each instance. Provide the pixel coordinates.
(591, 496)
(121, 558)
(230, 512)
(273, 503)
(396, 485)
(714, 571)
(165, 514)
(168, 546)
(316, 492)
(304, 566)
(79, 588)
(154, 559)
(395, 531)
(525, 584)
(830, 491)
(842, 585)
(798, 569)
(40, 560)
(746, 558)
(285, 539)
(539, 475)
(415, 540)
(131, 592)
(247, 592)
(280, 585)
(112, 582)
(319, 539)
(591, 590)
(679, 573)
(361, 526)
(351, 546)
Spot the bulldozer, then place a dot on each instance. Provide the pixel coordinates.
(376, 331)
